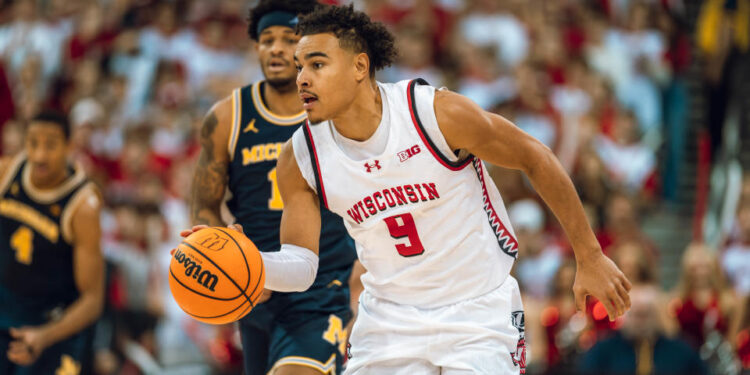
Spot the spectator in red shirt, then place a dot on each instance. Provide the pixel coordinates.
(703, 303)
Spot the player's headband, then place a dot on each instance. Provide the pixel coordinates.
(277, 18)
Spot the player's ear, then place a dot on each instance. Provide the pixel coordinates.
(361, 66)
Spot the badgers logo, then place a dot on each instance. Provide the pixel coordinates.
(192, 269)
(519, 357)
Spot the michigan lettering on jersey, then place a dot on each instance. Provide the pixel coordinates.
(262, 152)
(392, 197)
(31, 217)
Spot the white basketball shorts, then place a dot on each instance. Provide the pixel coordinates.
(482, 335)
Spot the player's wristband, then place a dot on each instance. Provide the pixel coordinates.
(292, 269)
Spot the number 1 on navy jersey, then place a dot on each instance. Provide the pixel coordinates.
(275, 202)
(401, 226)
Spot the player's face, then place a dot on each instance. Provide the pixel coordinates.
(275, 48)
(326, 76)
(47, 150)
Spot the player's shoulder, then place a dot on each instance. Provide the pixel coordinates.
(222, 110)
(85, 206)
(9, 164)
(5, 162)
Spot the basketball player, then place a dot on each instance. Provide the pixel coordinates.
(402, 164)
(51, 266)
(242, 136)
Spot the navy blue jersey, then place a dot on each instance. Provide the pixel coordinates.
(254, 146)
(36, 255)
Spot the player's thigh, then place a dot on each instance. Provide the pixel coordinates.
(314, 341)
(400, 366)
(296, 370)
(6, 366)
(63, 357)
(255, 334)
(490, 331)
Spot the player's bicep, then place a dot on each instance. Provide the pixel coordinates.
(211, 172)
(88, 263)
(300, 221)
(489, 136)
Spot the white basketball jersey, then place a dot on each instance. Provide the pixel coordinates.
(430, 229)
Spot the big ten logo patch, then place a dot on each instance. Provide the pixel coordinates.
(519, 356)
(406, 154)
(214, 242)
(262, 152)
(193, 268)
(336, 334)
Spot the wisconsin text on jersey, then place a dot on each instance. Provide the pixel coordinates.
(392, 197)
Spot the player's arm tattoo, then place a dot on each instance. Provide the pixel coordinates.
(210, 179)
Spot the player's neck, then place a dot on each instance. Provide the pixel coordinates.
(51, 183)
(282, 101)
(362, 118)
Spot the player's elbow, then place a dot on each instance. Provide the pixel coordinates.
(539, 159)
(293, 269)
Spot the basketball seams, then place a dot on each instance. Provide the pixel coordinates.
(218, 316)
(199, 293)
(244, 258)
(242, 292)
(247, 266)
(236, 312)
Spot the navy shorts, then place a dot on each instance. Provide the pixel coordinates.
(305, 329)
(63, 357)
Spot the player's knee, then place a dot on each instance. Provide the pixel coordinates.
(296, 370)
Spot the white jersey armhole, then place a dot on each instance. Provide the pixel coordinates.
(425, 103)
(302, 156)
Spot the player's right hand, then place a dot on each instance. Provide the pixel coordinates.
(265, 296)
(598, 276)
(195, 228)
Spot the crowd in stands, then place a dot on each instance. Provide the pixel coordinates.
(603, 83)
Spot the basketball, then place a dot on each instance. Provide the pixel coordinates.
(216, 275)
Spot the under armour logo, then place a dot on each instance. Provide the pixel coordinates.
(371, 166)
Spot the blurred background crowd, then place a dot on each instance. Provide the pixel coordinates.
(645, 102)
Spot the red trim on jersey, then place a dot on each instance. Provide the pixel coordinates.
(508, 244)
(454, 166)
(322, 192)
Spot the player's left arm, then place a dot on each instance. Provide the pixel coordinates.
(88, 269)
(498, 141)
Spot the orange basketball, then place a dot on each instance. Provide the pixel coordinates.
(216, 275)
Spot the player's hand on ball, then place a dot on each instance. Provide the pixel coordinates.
(598, 276)
(195, 228)
(265, 296)
(28, 343)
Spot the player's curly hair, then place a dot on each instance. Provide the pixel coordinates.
(354, 30)
(267, 6)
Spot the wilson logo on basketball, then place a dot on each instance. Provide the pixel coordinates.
(192, 269)
(214, 242)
